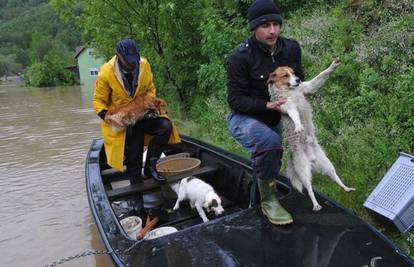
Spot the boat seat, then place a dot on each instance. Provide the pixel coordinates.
(112, 175)
(150, 184)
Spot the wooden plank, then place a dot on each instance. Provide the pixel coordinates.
(112, 175)
(150, 184)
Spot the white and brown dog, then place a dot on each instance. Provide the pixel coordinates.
(305, 152)
(200, 194)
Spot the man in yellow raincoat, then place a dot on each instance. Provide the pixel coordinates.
(122, 78)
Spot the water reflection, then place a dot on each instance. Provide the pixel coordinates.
(45, 134)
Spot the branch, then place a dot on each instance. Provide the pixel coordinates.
(120, 13)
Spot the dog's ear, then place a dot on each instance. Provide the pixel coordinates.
(162, 106)
(213, 203)
(291, 70)
(271, 79)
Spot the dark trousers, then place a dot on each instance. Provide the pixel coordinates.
(159, 128)
(265, 145)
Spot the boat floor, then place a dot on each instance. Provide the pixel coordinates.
(185, 216)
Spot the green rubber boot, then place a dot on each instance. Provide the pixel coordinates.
(271, 207)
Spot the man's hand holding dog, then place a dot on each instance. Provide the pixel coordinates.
(108, 119)
(275, 105)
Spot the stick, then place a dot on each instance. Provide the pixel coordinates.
(149, 225)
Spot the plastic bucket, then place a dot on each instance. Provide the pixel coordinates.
(161, 231)
(132, 225)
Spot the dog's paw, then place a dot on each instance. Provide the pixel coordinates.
(298, 129)
(335, 63)
(349, 189)
(116, 129)
(317, 207)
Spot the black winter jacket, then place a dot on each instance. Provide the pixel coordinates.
(248, 68)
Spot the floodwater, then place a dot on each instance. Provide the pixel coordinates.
(45, 135)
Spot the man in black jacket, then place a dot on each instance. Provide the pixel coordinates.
(254, 120)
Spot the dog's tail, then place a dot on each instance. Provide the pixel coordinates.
(293, 176)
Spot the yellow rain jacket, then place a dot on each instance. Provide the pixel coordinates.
(110, 93)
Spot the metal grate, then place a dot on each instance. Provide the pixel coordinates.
(407, 216)
(393, 197)
(397, 186)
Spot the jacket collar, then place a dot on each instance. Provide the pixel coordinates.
(119, 75)
(117, 70)
(263, 48)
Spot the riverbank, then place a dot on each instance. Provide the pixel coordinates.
(12, 81)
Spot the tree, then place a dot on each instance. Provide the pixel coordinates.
(168, 31)
(9, 66)
(49, 72)
(29, 45)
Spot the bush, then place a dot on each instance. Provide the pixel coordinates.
(49, 72)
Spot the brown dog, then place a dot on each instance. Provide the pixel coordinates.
(142, 106)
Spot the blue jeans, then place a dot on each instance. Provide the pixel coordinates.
(264, 144)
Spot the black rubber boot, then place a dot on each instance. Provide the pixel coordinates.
(150, 170)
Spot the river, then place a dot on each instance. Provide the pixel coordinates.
(45, 135)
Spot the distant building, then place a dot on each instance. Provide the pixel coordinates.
(88, 65)
(74, 69)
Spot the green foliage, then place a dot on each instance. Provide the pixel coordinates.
(49, 72)
(174, 35)
(389, 48)
(8, 65)
(166, 30)
(218, 37)
(31, 30)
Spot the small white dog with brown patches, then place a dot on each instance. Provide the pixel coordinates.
(200, 194)
(305, 152)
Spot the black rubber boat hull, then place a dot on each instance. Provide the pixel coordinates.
(331, 237)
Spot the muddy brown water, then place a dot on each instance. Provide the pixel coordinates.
(45, 134)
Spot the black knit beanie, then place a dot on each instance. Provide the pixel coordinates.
(262, 11)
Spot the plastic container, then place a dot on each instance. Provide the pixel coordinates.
(132, 225)
(161, 231)
(153, 200)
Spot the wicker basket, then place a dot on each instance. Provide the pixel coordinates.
(174, 166)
